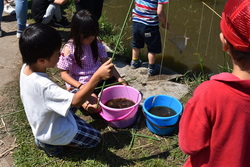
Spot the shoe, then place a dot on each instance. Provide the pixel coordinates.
(63, 23)
(1, 33)
(19, 33)
(154, 71)
(50, 150)
(135, 64)
(9, 9)
(12, 3)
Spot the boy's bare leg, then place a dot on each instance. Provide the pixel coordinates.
(151, 58)
(135, 53)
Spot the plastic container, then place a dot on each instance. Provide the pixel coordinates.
(116, 117)
(162, 125)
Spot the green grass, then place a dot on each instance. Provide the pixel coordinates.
(114, 149)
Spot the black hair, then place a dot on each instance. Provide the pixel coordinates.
(38, 41)
(84, 25)
(239, 55)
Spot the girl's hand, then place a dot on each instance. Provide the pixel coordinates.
(105, 71)
(123, 81)
(70, 88)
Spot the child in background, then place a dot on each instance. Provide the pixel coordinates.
(21, 9)
(48, 107)
(1, 12)
(82, 55)
(215, 125)
(146, 17)
(44, 11)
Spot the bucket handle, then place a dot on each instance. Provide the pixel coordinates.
(162, 127)
(122, 117)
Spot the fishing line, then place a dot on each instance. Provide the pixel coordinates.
(211, 9)
(116, 46)
(201, 20)
(210, 29)
(164, 41)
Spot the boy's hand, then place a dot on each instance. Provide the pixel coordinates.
(105, 71)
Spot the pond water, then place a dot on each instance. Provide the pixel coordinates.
(187, 18)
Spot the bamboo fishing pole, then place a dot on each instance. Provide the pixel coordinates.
(117, 43)
(211, 9)
(116, 83)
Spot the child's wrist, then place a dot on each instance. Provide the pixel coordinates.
(79, 86)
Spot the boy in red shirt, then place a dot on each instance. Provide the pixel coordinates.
(215, 126)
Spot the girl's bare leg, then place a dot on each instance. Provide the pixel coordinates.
(91, 104)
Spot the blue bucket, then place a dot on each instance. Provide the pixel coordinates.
(162, 125)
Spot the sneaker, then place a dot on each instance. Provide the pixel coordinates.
(9, 9)
(63, 23)
(50, 150)
(1, 32)
(154, 71)
(135, 64)
(19, 33)
(12, 3)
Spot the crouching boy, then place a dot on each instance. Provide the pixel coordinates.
(48, 107)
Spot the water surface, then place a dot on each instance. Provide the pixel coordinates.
(187, 18)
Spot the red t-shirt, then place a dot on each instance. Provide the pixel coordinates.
(215, 125)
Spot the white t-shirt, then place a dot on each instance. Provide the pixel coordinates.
(47, 109)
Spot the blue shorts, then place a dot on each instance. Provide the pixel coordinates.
(146, 34)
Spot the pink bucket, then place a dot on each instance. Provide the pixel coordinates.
(120, 117)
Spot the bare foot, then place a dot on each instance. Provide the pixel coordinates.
(91, 108)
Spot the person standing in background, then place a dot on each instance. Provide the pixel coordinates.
(7, 8)
(49, 12)
(1, 13)
(21, 16)
(146, 17)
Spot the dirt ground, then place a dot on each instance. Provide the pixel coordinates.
(10, 62)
